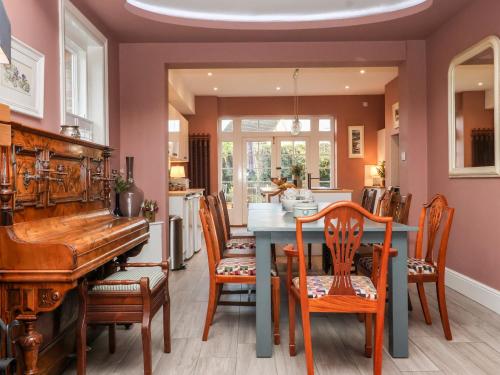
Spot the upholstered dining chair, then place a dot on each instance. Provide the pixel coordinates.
(231, 271)
(341, 292)
(229, 247)
(369, 199)
(434, 225)
(133, 294)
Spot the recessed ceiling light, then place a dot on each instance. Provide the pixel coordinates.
(347, 87)
(216, 88)
(362, 71)
(209, 74)
(278, 88)
(480, 83)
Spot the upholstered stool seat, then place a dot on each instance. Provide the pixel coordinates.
(154, 275)
(319, 286)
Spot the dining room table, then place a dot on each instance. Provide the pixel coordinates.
(272, 225)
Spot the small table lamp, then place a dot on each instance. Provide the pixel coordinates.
(177, 171)
(4, 36)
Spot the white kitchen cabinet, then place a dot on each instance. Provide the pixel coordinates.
(178, 135)
(152, 250)
(186, 204)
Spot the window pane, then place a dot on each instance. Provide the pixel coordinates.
(69, 71)
(258, 168)
(174, 126)
(325, 125)
(227, 125)
(325, 162)
(227, 172)
(273, 125)
(292, 153)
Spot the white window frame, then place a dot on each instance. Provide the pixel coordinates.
(67, 6)
(238, 138)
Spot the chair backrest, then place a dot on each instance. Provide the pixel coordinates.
(369, 199)
(384, 203)
(400, 208)
(437, 218)
(225, 215)
(210, 235)
(214, 209)
(343, 229)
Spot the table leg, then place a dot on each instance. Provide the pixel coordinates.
(263, 295)
(398, 297)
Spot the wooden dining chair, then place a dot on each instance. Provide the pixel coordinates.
(230, 248)
(232, 271)
(369, 199)
(434, 224)
(134, 294)
(341, 292)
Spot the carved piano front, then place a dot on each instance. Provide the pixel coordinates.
(56, 228)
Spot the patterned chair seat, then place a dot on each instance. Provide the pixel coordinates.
(154, 274)
(319, 286)
(239, 252)
(239, 267)
(241, 243)
(415, 266)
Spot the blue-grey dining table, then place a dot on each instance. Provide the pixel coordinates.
(270, 224)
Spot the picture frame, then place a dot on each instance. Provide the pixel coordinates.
(356, 142)
(22, 81)
(395, 115)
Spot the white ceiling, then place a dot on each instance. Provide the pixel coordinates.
(264, 81)
(469, 77)
(284, 11)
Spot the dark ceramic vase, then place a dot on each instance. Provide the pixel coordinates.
(132, 198)
(117, 211)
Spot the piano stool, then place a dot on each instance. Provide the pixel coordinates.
(127, 296)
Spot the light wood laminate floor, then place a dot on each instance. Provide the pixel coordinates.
(338, 340)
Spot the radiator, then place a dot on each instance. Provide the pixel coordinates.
(199, 161)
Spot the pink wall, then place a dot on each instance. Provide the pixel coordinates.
(348, 110)
(36, 23)
(391, 97)
(473, 248)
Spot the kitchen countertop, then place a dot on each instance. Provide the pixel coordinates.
(271, 189)
(181, 193)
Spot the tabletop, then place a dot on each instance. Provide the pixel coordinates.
(270, 217)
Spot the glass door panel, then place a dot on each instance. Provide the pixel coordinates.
(292, 152)
(258, 164)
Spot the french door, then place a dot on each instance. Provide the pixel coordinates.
(264, 158)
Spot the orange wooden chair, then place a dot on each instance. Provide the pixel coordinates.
(231, 271)
(435, 223)
(342, 292)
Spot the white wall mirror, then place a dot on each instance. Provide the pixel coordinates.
(473, 91)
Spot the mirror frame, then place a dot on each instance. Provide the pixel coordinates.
(470, 172)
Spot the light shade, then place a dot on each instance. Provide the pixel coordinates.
(370, 174)
(4, 36)
(177, 171)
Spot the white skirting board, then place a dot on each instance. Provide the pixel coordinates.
(479, 292)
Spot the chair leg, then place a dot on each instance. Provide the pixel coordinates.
(361, 317)
(166, 326)
(112, 338)
(276, 308)
(291, 325)
(306, 329)
(379, 342)
(423, 302)
(443, 311)
(309, 256)
(218, 294)
(410, 306)
(146, 347)
(368, 335)
(210, 310)
(273, 252)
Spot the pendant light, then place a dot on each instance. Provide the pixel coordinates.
(296, 122)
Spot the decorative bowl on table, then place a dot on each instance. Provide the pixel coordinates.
(289, 204)
(305, 209)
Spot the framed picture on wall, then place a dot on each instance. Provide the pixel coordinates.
(22, 81)
(356, 138)
(395, 115)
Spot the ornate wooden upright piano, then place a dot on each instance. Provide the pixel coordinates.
(55, 229)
